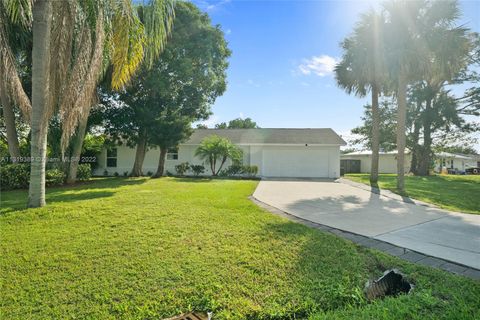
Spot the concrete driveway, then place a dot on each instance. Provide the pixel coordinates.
(435, 232)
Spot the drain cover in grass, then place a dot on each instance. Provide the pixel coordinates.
(191, 316)
(392, 283)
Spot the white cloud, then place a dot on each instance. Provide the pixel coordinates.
(211, 6)
(320, 65)
(241, 115)
(228, 31)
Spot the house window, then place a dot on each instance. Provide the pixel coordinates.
(172, 154)
(112, 158)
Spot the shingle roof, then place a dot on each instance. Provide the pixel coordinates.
(271, 136)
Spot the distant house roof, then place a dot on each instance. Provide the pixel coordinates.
(325, 136)
(452, 155)
(369, 152)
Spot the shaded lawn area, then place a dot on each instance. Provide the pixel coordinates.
(148, 249)
(452, 192)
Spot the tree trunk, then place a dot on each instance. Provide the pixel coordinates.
(224, 159)
(212, 166)
(161, 163)
(375, 135)
(424, 168)
(415, 148)
(42, 17)
(139, 155)
(77, 150)
(9, 118)
(401, 119)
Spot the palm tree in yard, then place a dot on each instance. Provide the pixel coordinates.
(362, 69)
(73, 43)
(216, 150)
(420, 44)
(405, 54)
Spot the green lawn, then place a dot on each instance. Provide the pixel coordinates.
(452, 192)
(147, 249)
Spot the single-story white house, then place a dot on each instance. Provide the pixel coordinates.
(454, 161)
(387, 161)
(312, 153)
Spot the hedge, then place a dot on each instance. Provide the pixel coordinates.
(17, 176)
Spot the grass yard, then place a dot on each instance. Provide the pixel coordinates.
(148, 249)
(452, 192)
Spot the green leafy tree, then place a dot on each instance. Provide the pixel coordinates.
(387, 125)
(177, 90)
(170, 130)
(362, 69)
(238, 123)
(216, 150)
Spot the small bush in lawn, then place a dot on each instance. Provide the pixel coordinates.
(14, 176)
(84, 172)
(125, 173)
(105, 173)
(54, 177)
(234, 170)
(116, 174)
(197, 169)
(182, 168)
(149, 173)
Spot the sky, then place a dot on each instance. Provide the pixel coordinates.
(283, 55)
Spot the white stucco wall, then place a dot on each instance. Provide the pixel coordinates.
(387, 163)
(298, 160)
(458, 164)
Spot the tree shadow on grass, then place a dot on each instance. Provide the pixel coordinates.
(16, 200)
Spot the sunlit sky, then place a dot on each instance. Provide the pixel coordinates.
(280, 72)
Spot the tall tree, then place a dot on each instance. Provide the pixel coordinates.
(78, 40)
(362, 69)
(186, 79)
(406, 58)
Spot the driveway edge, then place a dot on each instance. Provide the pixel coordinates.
(368, 242)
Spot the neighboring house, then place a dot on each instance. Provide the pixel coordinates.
(361, 162)
(312, 153)
(457, 162)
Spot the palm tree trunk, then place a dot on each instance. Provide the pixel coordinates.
(375, 135)
(77, 151)
(401, 119)
(41, 27)
(139, 155)
(161, 163)
(12, 137)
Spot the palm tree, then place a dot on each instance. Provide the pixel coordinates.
(214, 149)
(420, 45)
(68, 57)
(448, 55)
(405, 54)
(362, 69)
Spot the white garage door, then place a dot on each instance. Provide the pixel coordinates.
(295, 162)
